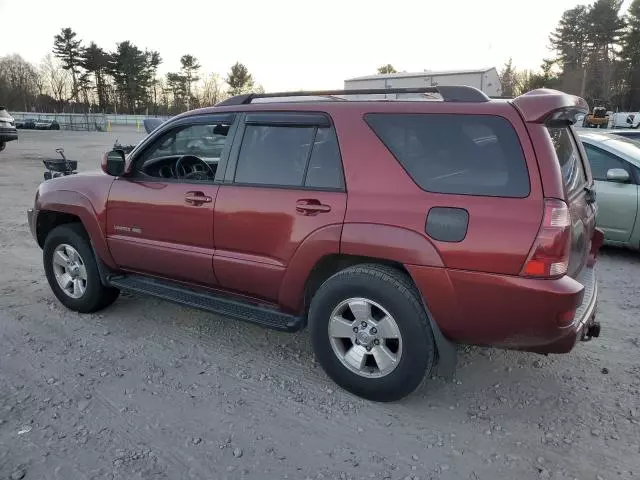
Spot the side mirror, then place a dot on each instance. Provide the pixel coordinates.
(113, 163)
(619, 175)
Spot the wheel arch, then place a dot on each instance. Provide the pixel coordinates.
(58, 207)
(329, 265)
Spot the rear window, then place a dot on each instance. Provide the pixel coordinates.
(573, 175)
(456, 154)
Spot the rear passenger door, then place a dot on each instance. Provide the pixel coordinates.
(284, 181)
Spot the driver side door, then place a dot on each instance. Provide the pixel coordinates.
(159, 220)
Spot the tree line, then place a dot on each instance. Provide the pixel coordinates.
(80, 78)
(596, 54)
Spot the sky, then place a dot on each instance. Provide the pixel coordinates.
(292, 45)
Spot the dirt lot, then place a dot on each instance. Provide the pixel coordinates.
(147, 389)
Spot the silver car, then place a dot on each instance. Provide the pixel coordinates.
(615, 166)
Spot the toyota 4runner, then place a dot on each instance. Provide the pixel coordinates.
(393, 223)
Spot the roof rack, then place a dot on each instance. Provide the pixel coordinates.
(449, 93)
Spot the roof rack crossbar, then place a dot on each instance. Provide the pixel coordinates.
(449, 93)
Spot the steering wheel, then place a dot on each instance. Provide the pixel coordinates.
(194, 175)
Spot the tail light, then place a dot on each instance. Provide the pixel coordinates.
(549, 256)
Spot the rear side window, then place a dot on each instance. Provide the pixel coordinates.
(272, 155)
(290, 157)
(325, 165)
(571, 166)
(457, 154)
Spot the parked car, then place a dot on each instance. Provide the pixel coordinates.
(27, 123)
(615, 166)
(467, 220)
(632, 134)
(8, 130)
(47, 125)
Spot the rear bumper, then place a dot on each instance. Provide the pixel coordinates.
(584, 318)
(544, 316)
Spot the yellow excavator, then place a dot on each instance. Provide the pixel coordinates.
(597, 118)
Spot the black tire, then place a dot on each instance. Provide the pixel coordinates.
(2, 145)
(96, 296)
(396, 293)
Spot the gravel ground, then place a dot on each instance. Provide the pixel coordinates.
(147, 389)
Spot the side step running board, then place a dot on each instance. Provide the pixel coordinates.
(207, 301)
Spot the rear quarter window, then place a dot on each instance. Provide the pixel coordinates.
(571, 166)
(456, 154)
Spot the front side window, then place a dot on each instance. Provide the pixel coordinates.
(189, 152)
(456, 154)
(205, 141)
(601, 162)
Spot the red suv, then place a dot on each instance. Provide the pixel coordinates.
(393, 227)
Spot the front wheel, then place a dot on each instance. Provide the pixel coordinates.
(2, 145)
(370, 332)
(72, 271)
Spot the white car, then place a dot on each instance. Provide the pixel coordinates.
(615, 166)
(8, 130)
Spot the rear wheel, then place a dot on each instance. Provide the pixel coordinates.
(72, 272)
(2, 145)
(370, 332)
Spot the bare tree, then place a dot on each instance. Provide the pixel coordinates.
(212, 90)
(57, 80)
(19, 88)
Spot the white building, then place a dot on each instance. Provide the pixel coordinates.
(485, 79)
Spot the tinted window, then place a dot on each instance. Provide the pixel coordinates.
(602, 161)
(274, 155)
(569, 159)
(459, 154)
(325, 166)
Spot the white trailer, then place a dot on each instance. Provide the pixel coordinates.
(485, 79)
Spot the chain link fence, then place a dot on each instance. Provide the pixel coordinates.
(80, 121)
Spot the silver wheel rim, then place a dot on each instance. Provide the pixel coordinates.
(365, 337)
(69, 270)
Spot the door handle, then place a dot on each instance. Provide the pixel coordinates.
(311, 207)
(196, 198)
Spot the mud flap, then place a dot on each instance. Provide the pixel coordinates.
(103, 270)
(447, 350)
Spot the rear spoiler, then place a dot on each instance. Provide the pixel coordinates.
(545, 105)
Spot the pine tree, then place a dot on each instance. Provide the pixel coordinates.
(96, 62)
(69, 51)
(239, 79)
(631, 56)
(129, 67)
(508, 79)
(570, 40)
(190, 67)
